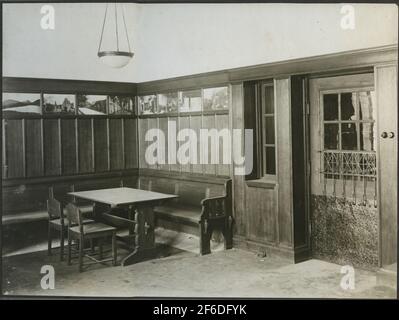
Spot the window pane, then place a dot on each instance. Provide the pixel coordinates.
(270, 160)
(268, 99)
(167, 102)
(190, 100)
(349, 136)
(147, 104)
(121, 105)
(269, 124)
(331, 141)
(216, 98)
(367, 110)
(330, 102)
(59, 103)
(348, 106)
(367, 137)
(92, 104)
(21, 104)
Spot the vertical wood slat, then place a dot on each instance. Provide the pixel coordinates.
(77, 145)
(100, 145)
(23, 127)
(108, 147)
(93, 153)
(4, 148)
(68, 144)
(60, 144)
(51, 147)
(42, 144)
(33, 148)
(123, 143)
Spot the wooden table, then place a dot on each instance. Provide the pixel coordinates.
(139, 204)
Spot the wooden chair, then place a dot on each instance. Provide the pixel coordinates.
(57, 222)
(81, 232)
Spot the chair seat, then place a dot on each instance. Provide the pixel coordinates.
(57, 222)
(95, 227)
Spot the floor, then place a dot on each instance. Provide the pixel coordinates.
(180, 272)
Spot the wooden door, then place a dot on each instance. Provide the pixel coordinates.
(344, 177)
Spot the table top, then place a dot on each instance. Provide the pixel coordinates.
(121, 196)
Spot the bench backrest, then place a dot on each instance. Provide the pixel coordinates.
(190, 190)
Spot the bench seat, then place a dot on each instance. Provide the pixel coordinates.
(180, 213)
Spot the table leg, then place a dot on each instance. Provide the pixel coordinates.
(144, 248)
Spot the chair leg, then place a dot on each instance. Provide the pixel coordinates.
(114, 249)
(49, 240)
(81, 254)
(62, 239)
(69, 249)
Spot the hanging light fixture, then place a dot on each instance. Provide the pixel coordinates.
(117, 58)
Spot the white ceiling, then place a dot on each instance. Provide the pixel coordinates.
(171, 40)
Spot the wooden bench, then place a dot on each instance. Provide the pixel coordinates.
(25, 201)
(205, 203)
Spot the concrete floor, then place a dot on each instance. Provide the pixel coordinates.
(180, 272)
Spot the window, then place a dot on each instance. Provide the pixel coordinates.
(349, 140)
(190, 100)
(259, 115)
(59, 103)
(92, 104)
(21, 104)
(148, 104)
(268, 135)
(167, 102)
(120, 105)
(216, 98)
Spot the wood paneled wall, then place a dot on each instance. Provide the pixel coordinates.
(217, 120)
(57, 147)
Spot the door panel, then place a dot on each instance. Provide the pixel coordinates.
(386, 85)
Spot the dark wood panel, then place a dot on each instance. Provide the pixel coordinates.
(184, 124)
(299, 161)
(152, 124)
(85, 146)
(116, 144)
(208, 122)
(237, 109)
(195, 124)
(284, 160)
(33, 136)
(68, 145)
(16, 84)
(173, 135)
(222, 122)
(100, 145)
(260, 213)
(163, 127)
(14, 148)
(143, 125)
(51, 138)
(131, 146)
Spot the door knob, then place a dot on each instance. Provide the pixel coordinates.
(384, 135)
(391, 135)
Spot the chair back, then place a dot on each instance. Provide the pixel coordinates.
(74, 215)
(54, 209)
